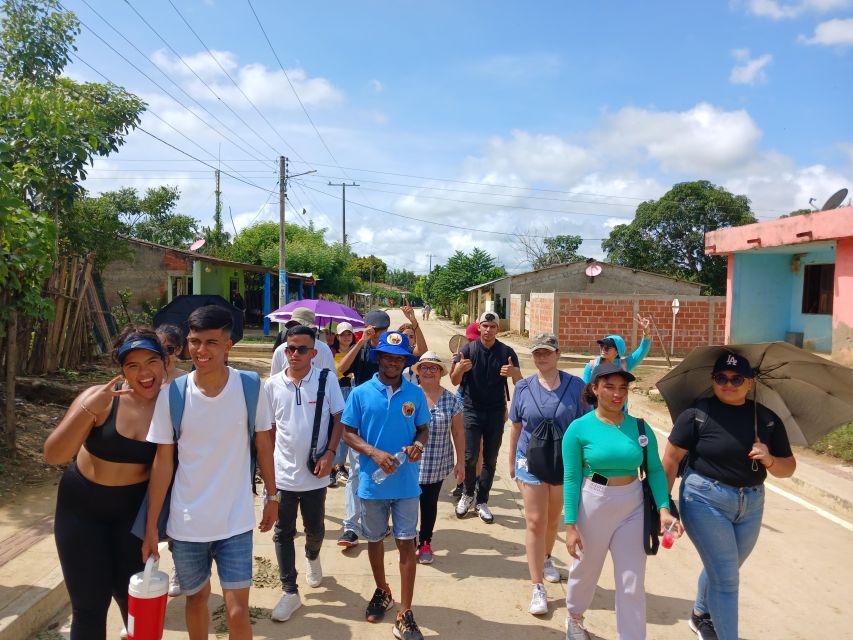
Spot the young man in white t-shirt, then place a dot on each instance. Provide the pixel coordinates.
(301, 485)
(323, 358)
(212, 512)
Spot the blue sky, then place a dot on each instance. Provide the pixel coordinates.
(549, 118)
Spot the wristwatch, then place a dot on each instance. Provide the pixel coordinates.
(270, 498)
(417, 444)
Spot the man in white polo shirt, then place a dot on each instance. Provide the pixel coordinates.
(302, 483)
(323, 356)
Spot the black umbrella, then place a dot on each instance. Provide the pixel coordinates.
(179, 310)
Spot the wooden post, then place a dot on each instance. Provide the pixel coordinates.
(11, 363)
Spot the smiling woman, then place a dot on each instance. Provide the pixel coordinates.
(100, 492)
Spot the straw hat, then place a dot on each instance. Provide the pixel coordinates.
(430, 357)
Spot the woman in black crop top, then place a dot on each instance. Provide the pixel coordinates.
(732, 446)
(100, 493)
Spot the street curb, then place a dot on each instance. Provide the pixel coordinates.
(25, 616)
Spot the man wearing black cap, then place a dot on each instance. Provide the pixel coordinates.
(357, 362)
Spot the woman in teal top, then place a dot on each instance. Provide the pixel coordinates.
(603, 500)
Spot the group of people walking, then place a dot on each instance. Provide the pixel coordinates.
(576, 454)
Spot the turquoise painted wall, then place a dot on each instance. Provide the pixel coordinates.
(817, 329)
(761, 297)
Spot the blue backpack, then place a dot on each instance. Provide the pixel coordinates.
(251, 382)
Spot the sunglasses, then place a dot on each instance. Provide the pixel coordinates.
(301, 349)
(721, 379)
(171, 349)
(429, 367)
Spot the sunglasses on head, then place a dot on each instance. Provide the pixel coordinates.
(722, 379)
(301, 349)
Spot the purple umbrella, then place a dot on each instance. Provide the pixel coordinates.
(325, 312)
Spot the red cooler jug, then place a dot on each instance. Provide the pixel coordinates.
(146, 603)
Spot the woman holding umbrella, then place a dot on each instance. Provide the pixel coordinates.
(731, 445)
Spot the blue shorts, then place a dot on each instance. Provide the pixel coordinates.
(404, 518)
(233, 562)
(521, 472)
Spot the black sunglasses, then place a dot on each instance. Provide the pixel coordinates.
(721, 379)
(301, 349)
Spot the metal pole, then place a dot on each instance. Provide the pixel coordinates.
(672, 344)
(344, 185)
(282, 268)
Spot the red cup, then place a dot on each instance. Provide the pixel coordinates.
(667, 540)
(146, 603)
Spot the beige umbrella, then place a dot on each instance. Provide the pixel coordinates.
(810, 394)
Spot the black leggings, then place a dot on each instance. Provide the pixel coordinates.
(97, 552)
(429, 509)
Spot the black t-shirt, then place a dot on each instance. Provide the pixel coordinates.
(362, 368)
(483, 386)
(719, 447)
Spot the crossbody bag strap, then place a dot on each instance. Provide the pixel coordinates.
(318, 409)
(641, 429)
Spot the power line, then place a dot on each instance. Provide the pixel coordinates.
(199, 78)
(179, 87)
(234, 82)
(434, 222)
(295, 93)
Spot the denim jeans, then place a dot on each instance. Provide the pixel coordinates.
(353, 502)
(723, 522)
(343, 449)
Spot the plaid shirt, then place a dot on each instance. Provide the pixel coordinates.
(437, 459)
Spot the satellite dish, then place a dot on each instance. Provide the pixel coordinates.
(835, 200)
(198, 244)
(593, 270)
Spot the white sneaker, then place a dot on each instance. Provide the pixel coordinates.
(314, 573)
(464, 504)
(288, 603)
(484, 513)
(174, 585)
(551, 573)
(575, 629)
(539, 601)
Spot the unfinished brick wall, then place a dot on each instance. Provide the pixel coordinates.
(515, 312)
(541, 313)
(583, 319)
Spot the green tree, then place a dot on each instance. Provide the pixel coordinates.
(370, 268)
(446, 284)
(51, 127)
(307, 252)
(402, 278)
(667, 236)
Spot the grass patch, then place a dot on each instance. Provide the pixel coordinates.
(838, 443)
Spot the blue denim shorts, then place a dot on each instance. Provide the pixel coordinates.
(233, 557)
(521, 472)
(404, 518)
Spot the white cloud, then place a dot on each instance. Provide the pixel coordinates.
(265, 87)
(779, 10)
(377, 86)
(518, 67)
(749, 70)
(698, 141)
(832, 33)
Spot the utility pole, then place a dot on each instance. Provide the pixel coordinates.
(344, 186)
(430, 256)
(217, 217)
(282, 253)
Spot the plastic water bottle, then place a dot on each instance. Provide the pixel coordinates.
(668, 539)
(379, 475)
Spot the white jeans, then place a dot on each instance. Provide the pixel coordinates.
(611, 519)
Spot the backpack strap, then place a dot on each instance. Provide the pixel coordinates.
(251, 383)
(177, 400)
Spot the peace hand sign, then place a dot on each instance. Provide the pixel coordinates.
(101, 399)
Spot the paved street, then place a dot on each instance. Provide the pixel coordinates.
(795, 585)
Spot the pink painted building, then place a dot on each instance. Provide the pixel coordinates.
(791, 279)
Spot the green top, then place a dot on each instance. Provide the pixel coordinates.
(592, 446)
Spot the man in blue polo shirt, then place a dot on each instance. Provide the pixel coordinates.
(384, 416)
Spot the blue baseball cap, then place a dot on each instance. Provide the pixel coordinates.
(395, 344)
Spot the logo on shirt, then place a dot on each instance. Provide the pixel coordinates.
(408, 409)
(643, 440)
(394, 339)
